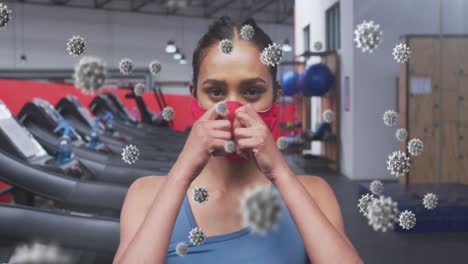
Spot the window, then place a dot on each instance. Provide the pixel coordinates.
(332, 24)
(306, 34)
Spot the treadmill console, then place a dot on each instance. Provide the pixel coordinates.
(16, 140)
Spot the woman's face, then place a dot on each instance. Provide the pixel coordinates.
(238, 76)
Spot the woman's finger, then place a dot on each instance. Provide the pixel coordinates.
(221, 124)
(242, 132)
(220, 134)
(247, 144)
(244, 119)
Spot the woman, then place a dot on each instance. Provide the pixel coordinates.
(157, 213)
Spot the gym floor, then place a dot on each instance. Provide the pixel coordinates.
(390, 247)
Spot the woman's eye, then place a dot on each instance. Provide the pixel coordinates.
(252, 92)
(215, 92)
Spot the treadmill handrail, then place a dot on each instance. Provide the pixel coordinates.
(94, 233)
(61, 188)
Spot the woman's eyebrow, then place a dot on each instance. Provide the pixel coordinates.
(252, 81)
(214, 82)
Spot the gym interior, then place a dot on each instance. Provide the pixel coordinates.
(96, 94)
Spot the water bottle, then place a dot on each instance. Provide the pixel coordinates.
(95, 134)
(63, 154)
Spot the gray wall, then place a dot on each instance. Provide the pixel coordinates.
(366, 141)
(109, 35)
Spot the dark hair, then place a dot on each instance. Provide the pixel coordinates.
(223, 28)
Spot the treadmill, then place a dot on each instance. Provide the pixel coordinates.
(38, 180)
(41, 119)
(156, 147)
(85, 239)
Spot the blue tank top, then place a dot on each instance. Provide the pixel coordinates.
(284, 245)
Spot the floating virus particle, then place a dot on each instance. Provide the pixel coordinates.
(363, 203)
(401, 53)
(368, 36)
(282, 143)
(181, 249)
(376, 187)
(76, 46)
(398, 163)
(5, 15)
(407, 219)
(126, 66)
(139, 89)
(225, 46)
(90, 74)
(247, 32)
(200, 194)
(221, 108)
(430, 201)
(415, 146)
(130, 154)
(390, 117)
(382, 213)
(401, 134)
(196, 236)
(271, 55)
(261, 209)
(39, 253)
(155, 67)
(318, 45)
(230, 146)
(168, 113)
(328, 116)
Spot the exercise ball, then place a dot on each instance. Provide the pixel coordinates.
(316, 80)
(289, 82)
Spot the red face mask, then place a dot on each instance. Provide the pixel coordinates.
(269, 116)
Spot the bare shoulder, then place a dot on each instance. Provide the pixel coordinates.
(315, 185)
(323, 195)
(144, 189)
(138, 200)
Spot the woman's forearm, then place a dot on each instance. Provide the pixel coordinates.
(323, 243)
(151, 241)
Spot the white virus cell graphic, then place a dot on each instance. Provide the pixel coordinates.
(415, 146)
(328, 116)
(430, 201)
(221, 108)
(139, 89)
(271, 55)
(90, 74)
(401, 134)
(76, 46)
(181, 249)
(363, 203)
(407, 220)
(196, 236)
(382, 213)
(368, 36)
(39, 253)
(225, 46)
(200, 194)
(168, 113)
(230, 147)
(247, 32)
(155, 67)
(126, 66)
(318, 45)
(398, 163)
(261, 209)
(401, 53)
(282, 143)
(390, 117)
(130, 154)
(376, 187)
(5, 15)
